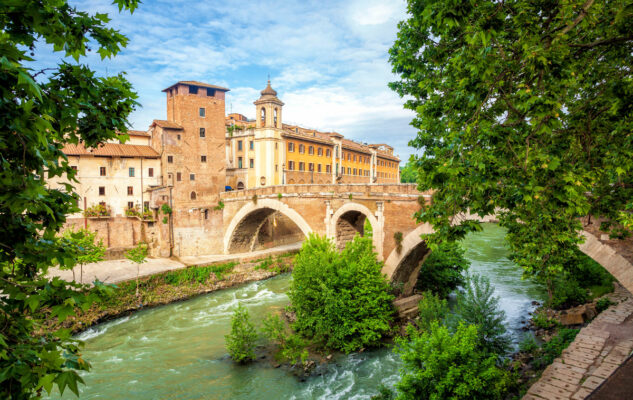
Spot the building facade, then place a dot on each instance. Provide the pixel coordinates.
(265, 151)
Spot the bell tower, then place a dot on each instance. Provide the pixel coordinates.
(268, 109)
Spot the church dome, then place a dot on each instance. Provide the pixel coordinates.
(269, 90)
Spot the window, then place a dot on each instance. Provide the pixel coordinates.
(276, 145)
(251, 145)
(239, 162)
(349, 157)
(275, 116)
(320, 151)
(178, 136)
(263, 115)
(202, 111)
(239, 145)
(210, 92)
(291, 165)
(178, 176)
(170, 159)
(193, 90)
(251, 163)
(302, 166)
(203, 158)
(206, 214)
(150, 172)
(102, 171)
(74, 167)
(328, 153)
(354, 158)
(192, 177)
(131, 172)
(302, 149)
(311, 150)
(319, 168)
(354, 171)
(193, 195)
(276, 167)
(170, 177)
(130, 204)
(202, 132)
(311, 167)
(349, 171)
(130, 190)
(101, 190)
(291, 147)
(327, 168)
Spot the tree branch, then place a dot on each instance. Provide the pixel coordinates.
(580, 17)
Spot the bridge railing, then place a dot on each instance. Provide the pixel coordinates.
(377, 189)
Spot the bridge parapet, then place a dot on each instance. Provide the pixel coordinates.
(379, 190)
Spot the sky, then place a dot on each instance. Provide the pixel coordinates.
(327, 60)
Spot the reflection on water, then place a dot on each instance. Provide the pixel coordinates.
(177, 351)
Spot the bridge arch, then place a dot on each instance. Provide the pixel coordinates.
(250, 219)
(403, 266)
(605, 255)
(349, 219)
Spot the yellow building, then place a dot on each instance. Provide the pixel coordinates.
(265, 151)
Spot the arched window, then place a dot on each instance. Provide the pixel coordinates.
(240, 185)
(275, 116)
(263, 115)
(193, 195)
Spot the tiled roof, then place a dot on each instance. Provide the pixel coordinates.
(111, 150)
(166, 124)
(196, 83)
(349, 144)
(138, 133)
(306, 136)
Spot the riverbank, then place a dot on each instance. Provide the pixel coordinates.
(172, 285)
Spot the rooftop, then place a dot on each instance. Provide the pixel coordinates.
(111, 150)
(199, 84)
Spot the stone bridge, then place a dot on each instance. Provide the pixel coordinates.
(275, 215)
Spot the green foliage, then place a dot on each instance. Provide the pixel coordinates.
(368, 230)
(86, 249)
(166, 209)
(433, 309)
(43, 110)
(350, 196)
(542, 321)
(554, 348)
(165, 220)
(240, 343)
(528, 345)
(138, 256)
(477, 305)
(566, 292)
(443, 270)
(198, 274)
(523, 109)
(292, 348)
(409, 172)
(98, 210)
(397, 238)
(603, 303)
(220, 206)
(279, 196)
(440, 364)
(587, 272)
(342, 301)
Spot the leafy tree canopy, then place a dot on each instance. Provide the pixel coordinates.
(524, 108)
(40, 112)
(409, 173)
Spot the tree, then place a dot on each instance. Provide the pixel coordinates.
(87, 251)
(439, 364)
(41, 111)
(341, 301)
(477, 305)
(409, 173)
(240, 343)
(138, 256)
(443, 270)
(524, 109)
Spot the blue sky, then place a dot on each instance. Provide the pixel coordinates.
(327, 60)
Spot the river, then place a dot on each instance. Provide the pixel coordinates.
(177, 351)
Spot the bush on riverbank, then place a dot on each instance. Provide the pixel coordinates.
(291, 347)
(240, 343)
(341, 301)
(443, 270)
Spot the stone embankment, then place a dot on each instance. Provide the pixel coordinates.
(596, 353)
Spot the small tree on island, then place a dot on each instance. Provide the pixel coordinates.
(87, 249)
(240, 343)
(138, 256)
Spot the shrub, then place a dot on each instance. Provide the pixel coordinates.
(198, 274)
(477, 305)
(566, 292)
(542, 321)
(342, 301)
(555, 347)
(438, 364)
(528, 345)
(432, 309)
(240, 343)
(220, 206)
(98, 210)
(279, 196)
(603, 304)
(443, 270)
(165, 220)
(292, 348)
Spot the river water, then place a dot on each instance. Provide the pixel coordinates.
(177, 351)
